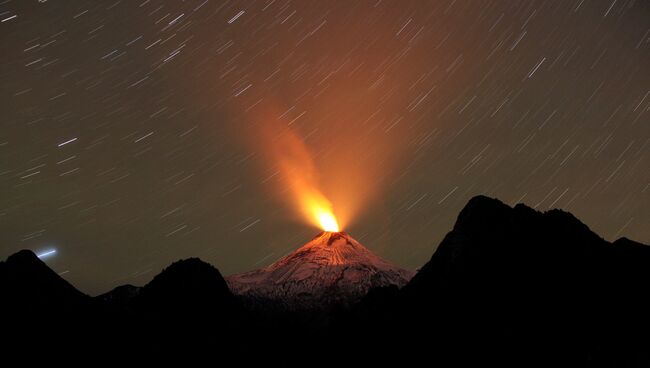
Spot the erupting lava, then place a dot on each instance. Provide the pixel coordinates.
(315, 207)
(320, 210)
(332, 269)
(327, 221)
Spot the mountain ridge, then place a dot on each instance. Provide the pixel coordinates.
(507, 285)
(520, 287)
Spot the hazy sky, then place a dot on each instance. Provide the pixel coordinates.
(135, 133)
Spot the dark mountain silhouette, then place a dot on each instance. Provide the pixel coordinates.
(506, 286)
(187, 308)
(36, 305)
(187, 286)
(513, 285)
(29, 286)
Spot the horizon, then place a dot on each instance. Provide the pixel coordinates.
(138, 133)
(280, 257)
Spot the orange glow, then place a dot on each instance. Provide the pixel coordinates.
(328, 173)
(299, 172)
(327, 220)
(316, 208)
(298, 177)
(336, 125)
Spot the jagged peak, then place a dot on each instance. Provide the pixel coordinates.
(482, 212)
(479, 209)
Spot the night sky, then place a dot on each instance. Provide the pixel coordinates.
(135, 133)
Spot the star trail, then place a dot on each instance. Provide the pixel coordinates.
(129, 130)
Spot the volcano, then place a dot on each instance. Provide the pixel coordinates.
(332, 269)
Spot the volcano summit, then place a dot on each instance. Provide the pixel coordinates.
(331, 269)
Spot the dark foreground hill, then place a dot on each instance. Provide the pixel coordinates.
(507, 286)
(520, 287)
(28, 286)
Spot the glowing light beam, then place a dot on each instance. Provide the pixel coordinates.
(46, 254)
